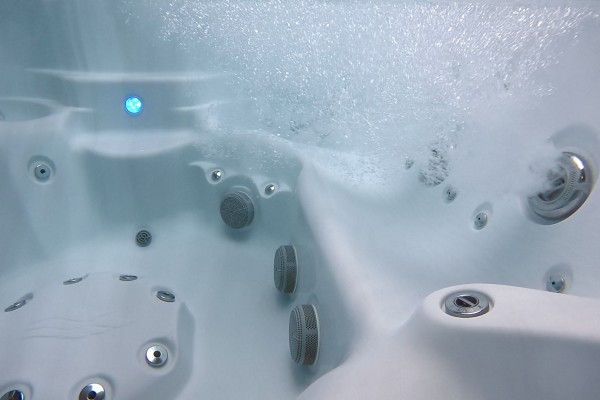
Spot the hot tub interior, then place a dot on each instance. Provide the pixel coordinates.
(398, 195)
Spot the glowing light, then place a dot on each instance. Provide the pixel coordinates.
(133, 105)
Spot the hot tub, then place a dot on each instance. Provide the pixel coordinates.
(299, 200)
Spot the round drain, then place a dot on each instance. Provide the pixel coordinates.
(569, 185)
(127, 278)
(93, 391)
(73, 281)
(467, 304)
(216, 175)
(16, 305)
(143, 238)
(156, 356)
(237, 210)
(42, 169)
(42, 172)
(13, 395)
(165, 296)
(304, 334)
(450, 194)
(270, 189)
(481, 220)
(285, 269)
(556, 284)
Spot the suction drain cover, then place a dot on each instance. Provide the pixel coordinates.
(467, 304)
(304, 334)
(285, 269)
(237, 210)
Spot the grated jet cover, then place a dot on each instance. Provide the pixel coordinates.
(285, 269)
(304, 334)
(237, 210)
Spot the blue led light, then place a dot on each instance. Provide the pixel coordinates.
(133, 105)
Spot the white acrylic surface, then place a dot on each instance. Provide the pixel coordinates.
(327, 101)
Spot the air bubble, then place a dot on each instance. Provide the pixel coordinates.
(412, 70)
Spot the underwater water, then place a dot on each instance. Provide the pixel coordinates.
(374, 136)
(379, 83)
